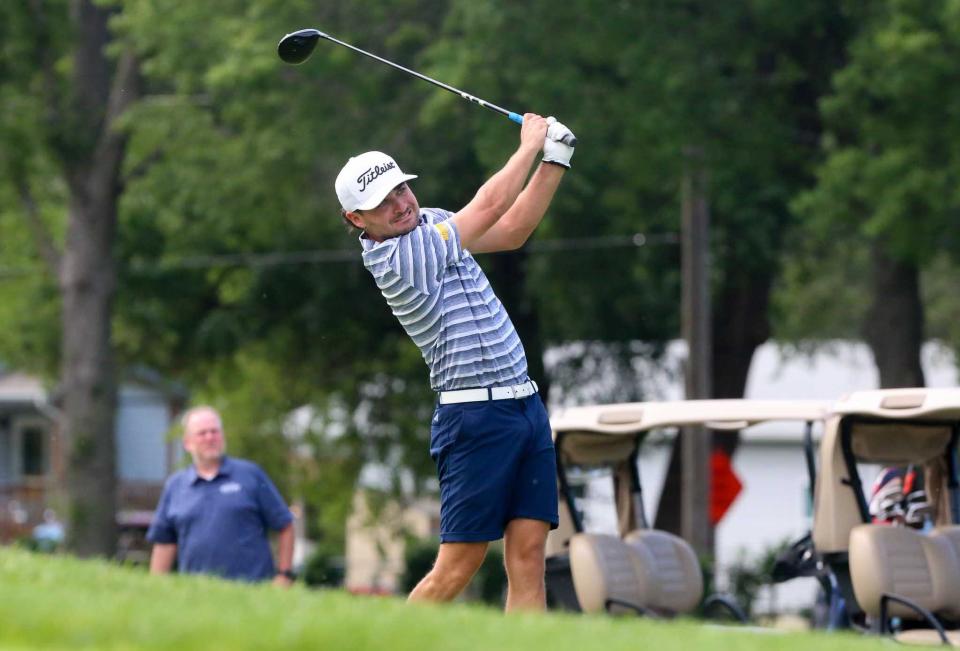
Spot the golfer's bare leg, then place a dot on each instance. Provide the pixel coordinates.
(524, 544)
(456, 564)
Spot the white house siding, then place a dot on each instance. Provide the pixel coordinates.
(143, 448)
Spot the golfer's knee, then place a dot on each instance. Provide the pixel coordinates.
(450, 579)
(461, 567)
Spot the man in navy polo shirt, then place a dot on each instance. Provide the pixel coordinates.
(214, 517)
(490, 436)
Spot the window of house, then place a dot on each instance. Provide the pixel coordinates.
(6, 448)
(34, 460)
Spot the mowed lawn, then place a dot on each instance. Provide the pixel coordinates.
(56, 602)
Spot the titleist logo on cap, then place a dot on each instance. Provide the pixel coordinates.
(367, 179)
(371, 174)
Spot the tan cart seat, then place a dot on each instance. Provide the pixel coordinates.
(899, 561)
(606, 574)
(677, 582)
(649, 572)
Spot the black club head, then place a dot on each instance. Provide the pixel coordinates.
(297, 47)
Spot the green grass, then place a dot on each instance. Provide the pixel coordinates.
(57, 602)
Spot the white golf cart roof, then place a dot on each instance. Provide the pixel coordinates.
(902, 404)
(608, 433)
(633, 417)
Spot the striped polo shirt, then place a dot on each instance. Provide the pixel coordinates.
(443, 300)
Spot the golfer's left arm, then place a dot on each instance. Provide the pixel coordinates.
(520, 220)
(284, 555)
(526, 213)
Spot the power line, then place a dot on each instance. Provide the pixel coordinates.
(636, 240)
(352, 255)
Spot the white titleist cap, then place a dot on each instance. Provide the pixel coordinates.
(367, 179)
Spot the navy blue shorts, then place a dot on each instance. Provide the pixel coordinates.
(496, 463)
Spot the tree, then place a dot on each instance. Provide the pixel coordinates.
(640, 83)
(888, 184)
(229, 254)
(232, 159)
(75, 132)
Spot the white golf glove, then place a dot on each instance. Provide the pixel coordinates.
(555, 151)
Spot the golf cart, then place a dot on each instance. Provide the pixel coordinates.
(639, 569)
(893, 577)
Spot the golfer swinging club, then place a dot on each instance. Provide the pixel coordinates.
(490, 436)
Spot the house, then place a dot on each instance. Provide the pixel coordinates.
(27, 450)
(32, 454)
(376, 544)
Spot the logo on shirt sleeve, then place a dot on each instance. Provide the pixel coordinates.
(444, 230)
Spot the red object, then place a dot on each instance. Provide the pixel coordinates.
(724, 485)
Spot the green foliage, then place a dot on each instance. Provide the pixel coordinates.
(30, 51)
(890, 173)
(940, 295)
(639, 83)
(324, 570)
(418, 560)
(233, 154)
(890, 167)
(747, 576)
(490, 581)
(823, 293)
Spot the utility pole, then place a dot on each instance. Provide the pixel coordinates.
(696, 328)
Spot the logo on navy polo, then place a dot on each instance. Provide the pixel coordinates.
(230, 487)
(372, 174)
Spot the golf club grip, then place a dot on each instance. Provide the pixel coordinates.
(569, 139)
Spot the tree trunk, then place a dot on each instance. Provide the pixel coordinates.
(91, 157)
(741, 326)
(87, 282)
(895, 321)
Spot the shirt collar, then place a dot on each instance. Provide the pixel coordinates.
(366, 242)
(223, 471)
(369, 244)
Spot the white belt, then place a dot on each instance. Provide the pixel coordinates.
(489, 393)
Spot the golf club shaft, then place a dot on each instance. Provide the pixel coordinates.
(516, 117)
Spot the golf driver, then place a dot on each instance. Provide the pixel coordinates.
(297, 47)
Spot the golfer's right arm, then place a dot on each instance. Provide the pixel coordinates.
(162, 557)
(499, 193)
